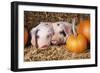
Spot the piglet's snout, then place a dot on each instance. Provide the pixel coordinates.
(43, 43)
(58, 39)
(54, 41)
(45, 46)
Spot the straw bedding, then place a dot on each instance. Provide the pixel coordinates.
(52, 53)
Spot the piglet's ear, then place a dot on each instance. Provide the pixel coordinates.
(68, 30)
(32, 32)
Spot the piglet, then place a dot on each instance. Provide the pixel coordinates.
(61, 32)
(41, 35)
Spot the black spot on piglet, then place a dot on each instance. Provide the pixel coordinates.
(63, 33)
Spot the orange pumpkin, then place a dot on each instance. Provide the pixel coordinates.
(76, 44)
(84, 28)
(25, 36)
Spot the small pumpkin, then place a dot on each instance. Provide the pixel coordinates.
(84, 28)
(25, 36)
(76, 43)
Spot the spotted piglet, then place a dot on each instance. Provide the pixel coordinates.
(61, 32)
(41, 35)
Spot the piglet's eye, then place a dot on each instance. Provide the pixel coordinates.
(48, 36)
(58, 24)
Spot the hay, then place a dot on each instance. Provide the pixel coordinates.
(52, 53)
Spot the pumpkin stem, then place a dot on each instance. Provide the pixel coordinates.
(73, 27)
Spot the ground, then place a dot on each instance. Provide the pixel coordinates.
(53, 53)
